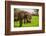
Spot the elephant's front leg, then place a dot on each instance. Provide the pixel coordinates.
(25, 21)
(20, 20)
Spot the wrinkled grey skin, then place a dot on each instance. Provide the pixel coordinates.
(24, 15)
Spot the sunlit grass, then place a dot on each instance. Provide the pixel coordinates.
(34, 22)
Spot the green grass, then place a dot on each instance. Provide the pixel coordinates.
(34, 22)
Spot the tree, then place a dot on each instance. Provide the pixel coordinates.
(36, 10)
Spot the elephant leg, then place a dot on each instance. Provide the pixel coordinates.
(25, 21)
(20, 21)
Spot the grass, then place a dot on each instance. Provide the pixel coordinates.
(34, 22)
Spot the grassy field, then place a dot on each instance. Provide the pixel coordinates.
(34, 22)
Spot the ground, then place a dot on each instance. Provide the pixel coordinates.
(34, 22)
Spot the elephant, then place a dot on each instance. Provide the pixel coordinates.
(22, 15)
